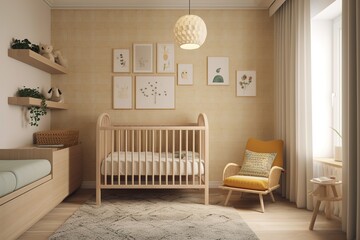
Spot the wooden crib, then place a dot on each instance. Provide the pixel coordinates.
(142, 157)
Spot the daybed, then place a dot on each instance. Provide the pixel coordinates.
(24, 197)
(158, 156)
(16, 174)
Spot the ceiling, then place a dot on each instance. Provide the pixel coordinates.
(159, 4)
(331, 11)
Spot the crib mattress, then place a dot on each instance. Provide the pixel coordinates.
(152, 164)
(15, 174)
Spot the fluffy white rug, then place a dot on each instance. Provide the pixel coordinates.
(146, 217)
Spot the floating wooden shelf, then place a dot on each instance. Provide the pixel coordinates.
(36, 60)
(28, 101)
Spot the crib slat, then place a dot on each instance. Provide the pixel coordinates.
(166, 157)
(180, 158)
(132, 157)
(173, 157)
(105, 152)
(112, 157)
(160, 142)
(200, 156)
(187, 156)
(139, 156)
(153, 156)
(193, 157)
(126, 150)
(119, 150)
(146, 160)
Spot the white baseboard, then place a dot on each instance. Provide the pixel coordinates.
(92, 184)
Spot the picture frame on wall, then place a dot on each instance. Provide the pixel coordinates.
(245, 83)
(218, 71)
(155, 92)
(122, 92)
(121, 60)
(165, 58)
(185, 74)
(143, 57)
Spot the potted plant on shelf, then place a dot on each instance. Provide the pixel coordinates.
(24, 44)
(35, 111)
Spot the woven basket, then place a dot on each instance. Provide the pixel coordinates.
(55, 137)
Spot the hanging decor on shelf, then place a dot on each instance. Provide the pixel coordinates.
(190, 31)
(54, 94)
(35, 111)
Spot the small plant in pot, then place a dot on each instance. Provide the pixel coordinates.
(24, 44)
(338, 149)
(35, 111)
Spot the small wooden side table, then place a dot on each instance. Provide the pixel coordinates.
(323, 193)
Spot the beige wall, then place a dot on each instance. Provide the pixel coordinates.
(87, 38)
(21, 19)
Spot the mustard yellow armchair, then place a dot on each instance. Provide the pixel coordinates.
(260, 184)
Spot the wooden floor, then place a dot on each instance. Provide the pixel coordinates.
(282, 220)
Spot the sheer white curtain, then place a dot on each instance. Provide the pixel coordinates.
(351, 118)
(293, 98)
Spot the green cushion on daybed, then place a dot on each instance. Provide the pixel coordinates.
(7, 183)
(25, 171)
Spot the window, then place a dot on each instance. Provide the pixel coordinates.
(336, 81)
(326, 77)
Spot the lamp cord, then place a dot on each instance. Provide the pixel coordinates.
(189, 7)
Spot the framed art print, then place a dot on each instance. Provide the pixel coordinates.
(122, 92)
(245, 83)
(165, 58)
(218, 71)
(155, 92)
(143, 58)
(185, 74)
(121, 60)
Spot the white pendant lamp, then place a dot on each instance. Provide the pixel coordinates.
(190, 31)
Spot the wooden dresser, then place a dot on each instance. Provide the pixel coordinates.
(27, 206)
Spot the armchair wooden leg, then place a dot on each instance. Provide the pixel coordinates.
(272, 197)
(262, 202)
(228, 197)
